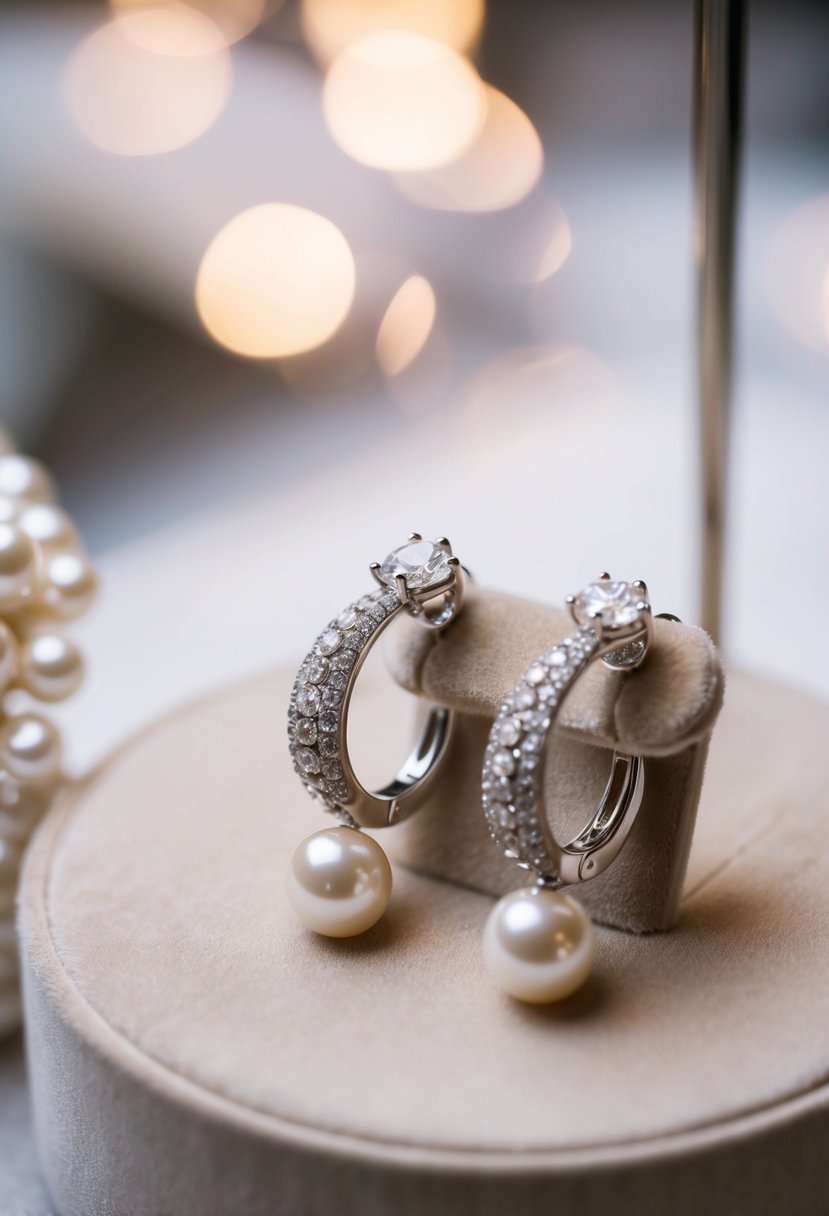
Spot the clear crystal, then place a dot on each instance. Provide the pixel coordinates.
(308, 760)
(536, 675)
(347, 619)
(424, 565)
(306, 731)
(328, 720)
(317, 669)
(615, 602)
(509, 732)
(330, 641)
(328, 746)
(503, 762)
(308, 700)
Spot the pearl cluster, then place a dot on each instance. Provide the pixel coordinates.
(45, 581)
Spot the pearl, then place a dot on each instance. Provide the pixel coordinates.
(72, 584)
(19, 569)
(49, 526)
(30, 748)
(538, 945)
(10, 509)
(22, 477)
(51, 667)
(9, 658)
(339, 882)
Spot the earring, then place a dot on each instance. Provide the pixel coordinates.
(339, 880)
(539, 942)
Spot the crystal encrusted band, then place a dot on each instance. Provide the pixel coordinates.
(513, 769)
(316, 717)
(614, 624)
(424, 580)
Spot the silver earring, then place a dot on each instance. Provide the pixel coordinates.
(339, 879)
(539, 942)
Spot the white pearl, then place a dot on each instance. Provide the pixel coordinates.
(339, 882)
(48, 525)
(10, 509)
(22, 477)
(9, 657)
(51, 667)
(19, 568)
(22, 806)
(30, 748)
(71, 584)
(538, 945)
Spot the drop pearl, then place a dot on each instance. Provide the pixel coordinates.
(339, 882)
(539, 945)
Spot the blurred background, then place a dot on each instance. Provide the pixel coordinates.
(281, 282)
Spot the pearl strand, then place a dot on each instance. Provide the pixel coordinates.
(45, 581)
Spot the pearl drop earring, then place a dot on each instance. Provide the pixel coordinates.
(339, 880)
(539, 942)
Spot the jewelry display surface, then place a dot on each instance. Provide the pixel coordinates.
(142, 945)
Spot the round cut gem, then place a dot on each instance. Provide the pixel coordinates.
(615, 602)
(308, 700)
(330, 641)
(347, 619)
(425, 565)
(309, 760)
(317, 669)
(509, 732)
(306, 731)
(503, 762)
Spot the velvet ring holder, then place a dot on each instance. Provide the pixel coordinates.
(193, 1049)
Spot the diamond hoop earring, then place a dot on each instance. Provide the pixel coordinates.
(538, 942)
(339, 880)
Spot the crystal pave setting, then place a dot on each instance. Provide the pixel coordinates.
(421, 578)
(614, 622)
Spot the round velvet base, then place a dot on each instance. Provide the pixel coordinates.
(193, 1049)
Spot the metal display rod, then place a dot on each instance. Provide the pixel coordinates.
(719, 58)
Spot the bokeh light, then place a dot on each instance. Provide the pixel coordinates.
(530, 400)
(330, 26)
(233, 18)
(557, 249)
(798, 273)
(276, 281)
(406, 325)
(499, 168)
(395, 100)
(149, 81)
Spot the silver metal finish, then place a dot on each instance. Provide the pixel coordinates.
(321, 697)
(512, 783)
(720, 39)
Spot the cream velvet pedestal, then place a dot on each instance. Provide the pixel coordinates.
(195, 1052)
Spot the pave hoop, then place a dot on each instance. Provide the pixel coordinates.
(615, 625)
(426, 581)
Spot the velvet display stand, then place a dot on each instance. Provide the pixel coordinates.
(193, 1049)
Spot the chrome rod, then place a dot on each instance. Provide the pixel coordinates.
(719, 58)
